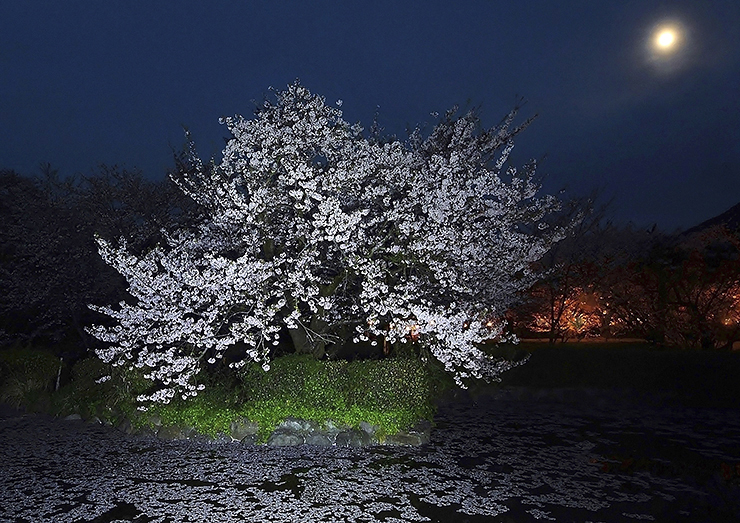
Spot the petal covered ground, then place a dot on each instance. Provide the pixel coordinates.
(573, 455)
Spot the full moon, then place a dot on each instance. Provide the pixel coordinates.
(666, 39)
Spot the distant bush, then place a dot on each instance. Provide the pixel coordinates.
(88, 395)
(27, 376)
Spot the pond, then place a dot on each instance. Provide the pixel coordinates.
(569, 456)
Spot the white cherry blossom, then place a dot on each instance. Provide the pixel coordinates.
(331, 236)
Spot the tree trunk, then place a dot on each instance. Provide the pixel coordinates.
(310, 343)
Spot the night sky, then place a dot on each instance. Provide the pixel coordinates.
(657, 129)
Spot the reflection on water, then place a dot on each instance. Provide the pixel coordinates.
(499, 460)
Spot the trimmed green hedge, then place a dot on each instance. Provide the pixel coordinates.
(393, 393)
(390, 393)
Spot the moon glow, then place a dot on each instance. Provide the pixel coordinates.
(665, 39)
(666, 46)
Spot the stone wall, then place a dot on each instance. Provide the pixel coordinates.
(290, 432)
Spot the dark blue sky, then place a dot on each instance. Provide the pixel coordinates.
(114, 82)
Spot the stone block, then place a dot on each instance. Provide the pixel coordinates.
(335, 428)
(125, 426)
(368, 428)
(243, 428)
(299, 425)
(251, 439)
(318, 439)
(284, 438)
(171, 432)
(146, 431)
(422, 429)
(404, 439)
(354, 438)
(222, 438)
(291, 432)
(292, 424)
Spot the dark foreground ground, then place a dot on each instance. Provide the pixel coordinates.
(699, 378)
(568, 449)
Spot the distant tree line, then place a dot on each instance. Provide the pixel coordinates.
(603, 281)
(608, 281)
(50, 268)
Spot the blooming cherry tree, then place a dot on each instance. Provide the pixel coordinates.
(317, 230)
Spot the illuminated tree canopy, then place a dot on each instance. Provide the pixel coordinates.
(316, 230)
